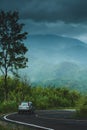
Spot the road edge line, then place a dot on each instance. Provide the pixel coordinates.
(27, 124)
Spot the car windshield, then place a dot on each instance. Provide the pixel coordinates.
(24, 104)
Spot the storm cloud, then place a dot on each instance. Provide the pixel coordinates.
(61, 17)
(68, 11)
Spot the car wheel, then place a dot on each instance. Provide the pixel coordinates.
(19, 112)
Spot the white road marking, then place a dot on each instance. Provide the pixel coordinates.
(22, 123)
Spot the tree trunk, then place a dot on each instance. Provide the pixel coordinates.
(5, 88)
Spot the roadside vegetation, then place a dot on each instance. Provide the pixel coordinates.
(81, 112)
(49, 97)
(42, 97)
(10, 126)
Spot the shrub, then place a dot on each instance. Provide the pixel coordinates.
(8, 106)
(82, 112)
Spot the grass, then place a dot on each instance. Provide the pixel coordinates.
(10, 126)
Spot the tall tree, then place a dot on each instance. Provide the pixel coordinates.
(12, 48)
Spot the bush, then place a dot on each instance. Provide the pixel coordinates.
(8, 106)
(42, 102)
(82, 112)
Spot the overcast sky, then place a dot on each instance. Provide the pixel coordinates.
(62, 17)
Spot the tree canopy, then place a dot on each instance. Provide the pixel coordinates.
(12, 48)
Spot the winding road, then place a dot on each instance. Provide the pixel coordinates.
(49, 120)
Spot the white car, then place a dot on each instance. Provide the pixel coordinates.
(26, 107)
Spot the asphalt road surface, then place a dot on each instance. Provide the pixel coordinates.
(50, 120)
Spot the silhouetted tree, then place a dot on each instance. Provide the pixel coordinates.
(12, 48)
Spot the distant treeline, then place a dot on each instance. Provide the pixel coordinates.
(43, 97)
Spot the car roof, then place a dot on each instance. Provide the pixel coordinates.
(26, 102)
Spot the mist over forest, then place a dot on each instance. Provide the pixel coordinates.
(57, 60)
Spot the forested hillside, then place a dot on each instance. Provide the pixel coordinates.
(57, 60)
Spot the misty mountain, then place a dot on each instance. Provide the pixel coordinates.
(53, 59)
(67, 70)
(67, 74)
(57, 48)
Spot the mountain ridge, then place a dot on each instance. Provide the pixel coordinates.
(47, 52)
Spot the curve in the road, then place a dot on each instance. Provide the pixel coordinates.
(49, 120)
(27, 124)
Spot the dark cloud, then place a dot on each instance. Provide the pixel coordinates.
(71, 11)
(58, 10)
(60, 28)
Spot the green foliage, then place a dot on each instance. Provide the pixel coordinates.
(6, 107)
(82, 109)
(42, 97)
(51, 97)
(12, 48)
